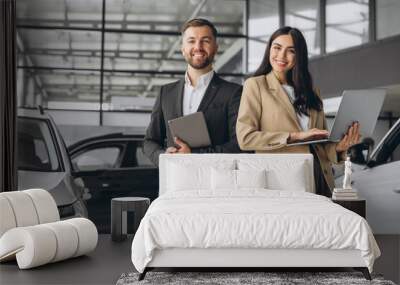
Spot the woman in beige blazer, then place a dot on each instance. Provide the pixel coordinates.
(279, 105)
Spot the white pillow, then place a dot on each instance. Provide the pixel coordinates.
(193, 176)
(183, 178)
(223, 179)
(228, 179)
(281, 174)
(251, 178)
(293, 178)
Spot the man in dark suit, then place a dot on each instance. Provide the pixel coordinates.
(201, 90)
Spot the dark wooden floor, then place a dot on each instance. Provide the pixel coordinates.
(110, 259)
(103, 266)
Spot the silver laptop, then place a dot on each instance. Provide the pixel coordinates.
(361, 106)
(192, 129)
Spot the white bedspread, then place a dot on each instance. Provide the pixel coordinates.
(250, 219)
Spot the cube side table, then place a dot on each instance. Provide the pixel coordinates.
(119, 208)
(358, 206)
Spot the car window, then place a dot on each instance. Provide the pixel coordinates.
(36, 147)
(395, 154)
(142, 159)
(389, 150)
(97, 159)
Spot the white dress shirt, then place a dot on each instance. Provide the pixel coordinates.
(301, 118)
(192, 96)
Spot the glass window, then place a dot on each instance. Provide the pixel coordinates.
(60, 13)
(303, 15)
(125, 91)
(36, 149)
(263, 21)
(142, 159)
(147, 52)
(96, 159)
(227, 15)
(141, 52)
(387, 17)
(169, 15)
(346, 24)
(389, 150)
(60, 48)
(230, 58)
(58, 89)
(396, 153)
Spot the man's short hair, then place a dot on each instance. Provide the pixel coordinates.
(199, 22)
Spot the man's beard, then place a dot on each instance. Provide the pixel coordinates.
(206, 62)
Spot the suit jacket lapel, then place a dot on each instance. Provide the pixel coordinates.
(210, 93)
(277, 91)
(179, 102)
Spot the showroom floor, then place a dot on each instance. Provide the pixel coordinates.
(103, 266)
(111, 259)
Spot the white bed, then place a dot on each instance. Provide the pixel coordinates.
(214, 211)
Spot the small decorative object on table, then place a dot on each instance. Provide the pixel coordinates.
(347, 174)
(347, 192)
(347, 197)
(119, 209)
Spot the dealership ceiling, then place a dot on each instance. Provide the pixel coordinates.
(62, 40)
(66, 52)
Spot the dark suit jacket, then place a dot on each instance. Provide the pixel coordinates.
(220, 106)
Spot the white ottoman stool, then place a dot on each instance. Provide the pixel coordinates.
(31, 232)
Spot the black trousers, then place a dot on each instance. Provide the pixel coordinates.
(321, 187)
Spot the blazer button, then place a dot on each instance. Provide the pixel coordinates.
(326, 171)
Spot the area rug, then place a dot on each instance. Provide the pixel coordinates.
(243, 278)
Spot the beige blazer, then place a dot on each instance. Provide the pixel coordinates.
(266, 117)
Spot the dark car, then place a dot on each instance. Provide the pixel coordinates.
(43, 162)
(113, 166)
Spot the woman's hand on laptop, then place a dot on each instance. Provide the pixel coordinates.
(311, 134)
(352, 137)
